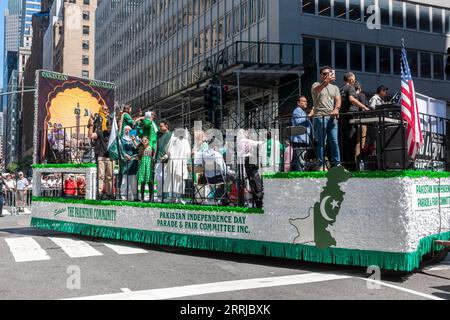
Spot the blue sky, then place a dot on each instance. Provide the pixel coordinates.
(3, 5)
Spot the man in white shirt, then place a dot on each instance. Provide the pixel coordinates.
(378, 99)
(22, 183)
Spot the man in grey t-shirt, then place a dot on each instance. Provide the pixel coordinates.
(327, 103)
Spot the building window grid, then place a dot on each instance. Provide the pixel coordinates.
(329, 8)
(329, 57)
(163, 63)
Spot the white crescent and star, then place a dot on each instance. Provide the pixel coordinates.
(334, 204)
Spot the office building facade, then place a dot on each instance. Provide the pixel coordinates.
(154, 49)
(29, 7)
(69, 39)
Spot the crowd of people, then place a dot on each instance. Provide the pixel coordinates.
(327, 123)
(156, 164)
(16, 191)
(160, 163)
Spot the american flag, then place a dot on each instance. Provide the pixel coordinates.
(410, 109)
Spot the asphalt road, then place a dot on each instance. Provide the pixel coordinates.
(39, 264)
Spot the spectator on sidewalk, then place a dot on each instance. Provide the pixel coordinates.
(2, 188)
(10, 190)
(22, 183)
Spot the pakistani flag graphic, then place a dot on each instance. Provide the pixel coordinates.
(313, 228)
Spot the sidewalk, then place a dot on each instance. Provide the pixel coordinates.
(13, 212)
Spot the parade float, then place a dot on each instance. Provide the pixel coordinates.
(392, 220)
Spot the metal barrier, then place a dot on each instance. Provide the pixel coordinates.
(69, 145)
(16, 201)
(369, 140)
(197, 180)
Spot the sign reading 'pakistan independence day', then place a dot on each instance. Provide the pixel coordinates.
(431, 195)
(204, 222)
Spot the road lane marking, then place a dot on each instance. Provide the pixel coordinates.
(125, 290)
(120, 249)
(75, 248)
(219, 287)
(428, 296)
(439, 267)
(26, 249)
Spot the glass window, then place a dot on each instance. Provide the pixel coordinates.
(411, 16)
(424, 21)
(324, 53)
(397, 61)
(340, 55)
(437, 20)
(367, 4)
(438, 66)
(425, 65)
(340, 9)
(354, 10)
(371, 59)
(397, 14)
(447, 22)
(413, 63)
(384, 12)
(355, 57)
(308, 6)
(385, 60)
(324, 8)
(309, 51)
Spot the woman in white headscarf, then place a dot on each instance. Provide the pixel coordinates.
(129, 166)
(179, 152)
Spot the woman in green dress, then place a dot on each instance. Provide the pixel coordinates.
(145, 172)
(126, 120)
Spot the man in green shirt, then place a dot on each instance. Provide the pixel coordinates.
(149, 129)
(164, 137)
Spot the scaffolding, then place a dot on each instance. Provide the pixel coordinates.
(256, 73)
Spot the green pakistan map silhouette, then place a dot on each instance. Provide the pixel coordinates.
(313, 228)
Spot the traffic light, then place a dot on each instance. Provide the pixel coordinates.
(447, 66)
(209, 115)
(209, 103)
(225, 91)
(208, 98)
(215, 95)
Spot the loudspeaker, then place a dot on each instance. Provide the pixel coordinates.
(393, 149)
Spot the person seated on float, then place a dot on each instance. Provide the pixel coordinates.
(70, 186)
(216, 171)
(56, 142)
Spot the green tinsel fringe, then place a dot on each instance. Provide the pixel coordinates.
(362, 175)
(405, 262)
(166, 206)
(64, 166)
